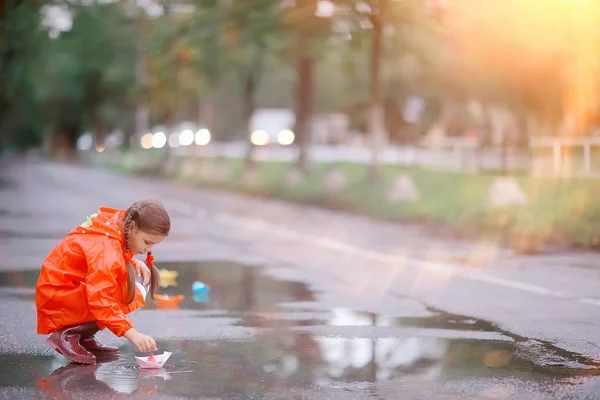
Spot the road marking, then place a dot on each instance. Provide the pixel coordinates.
(356, 251)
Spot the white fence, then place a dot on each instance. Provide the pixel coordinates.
(565, 161)
(458, 157)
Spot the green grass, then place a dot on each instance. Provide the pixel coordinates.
(559, 211)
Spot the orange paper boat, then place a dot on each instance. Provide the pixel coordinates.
(166, 300)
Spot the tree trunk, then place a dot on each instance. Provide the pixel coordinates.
(129, 130)
(523, 136)
(485, 138)
(206, 119)
(376, 116)
(169, 122)
(142, 112)
(249, 105)
(6, 58)
(504, 168)
(99, 135)
(206, 115)
(64, 142)
(304, 111)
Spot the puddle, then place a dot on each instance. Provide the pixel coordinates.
(348, 317)
(276, 364)
(257, 300)
(233, 287)
(285, 360)
(19, 279)
(254, 299)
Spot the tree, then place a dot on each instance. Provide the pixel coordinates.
(391, 26)
(210, 58)
(173, 77)
(21, 41)
(531, 86)
(251, 36)
(306, 33)
(376, 115)
(87, 79)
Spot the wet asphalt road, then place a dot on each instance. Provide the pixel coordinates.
(304, 304)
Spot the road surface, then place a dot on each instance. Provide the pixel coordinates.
(304, 303)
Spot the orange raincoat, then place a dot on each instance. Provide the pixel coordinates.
(84, 278)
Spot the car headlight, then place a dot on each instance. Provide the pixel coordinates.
(286, 137)
(202, 137)
(259, 138)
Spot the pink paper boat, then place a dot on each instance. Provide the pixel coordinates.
(157, 361)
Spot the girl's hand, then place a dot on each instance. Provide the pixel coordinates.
(143, 343)
(141, 269)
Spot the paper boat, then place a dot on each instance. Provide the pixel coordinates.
(168, 278)
(153, 361)
(167, 300)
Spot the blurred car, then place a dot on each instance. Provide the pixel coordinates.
(272, 126)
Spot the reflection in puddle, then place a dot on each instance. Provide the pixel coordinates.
(277, 362)
(97, 381)
(373, 360)
(348, 317)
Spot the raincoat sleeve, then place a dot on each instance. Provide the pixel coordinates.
(139, 300)
(101, 282)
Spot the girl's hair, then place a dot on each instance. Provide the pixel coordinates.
(150, 217)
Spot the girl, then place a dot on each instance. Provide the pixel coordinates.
(88, 281)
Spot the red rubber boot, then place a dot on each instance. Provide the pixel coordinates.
(92, 344)
(65, 341)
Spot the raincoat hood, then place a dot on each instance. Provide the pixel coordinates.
(104, 222)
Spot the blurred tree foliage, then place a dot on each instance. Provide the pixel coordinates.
(215, 61)
(21, 41)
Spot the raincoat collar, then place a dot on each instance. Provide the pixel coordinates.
(104, 222)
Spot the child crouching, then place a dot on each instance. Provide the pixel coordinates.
(88, 281)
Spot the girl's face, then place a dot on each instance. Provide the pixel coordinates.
(141, 242)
